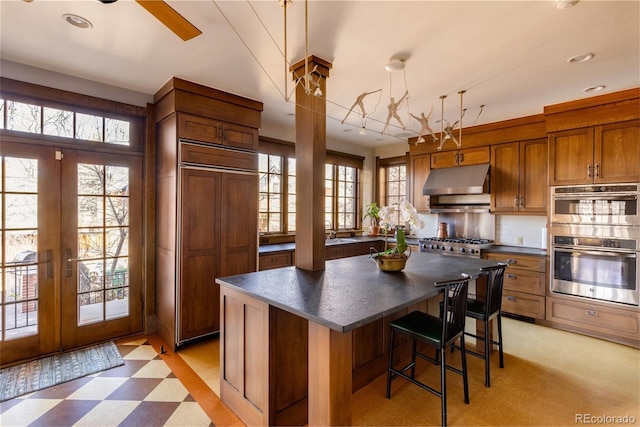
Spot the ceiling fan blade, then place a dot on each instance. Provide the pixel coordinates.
(172, 19)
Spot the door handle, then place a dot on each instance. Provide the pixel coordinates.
(592, 312)
(588, 171)
(512, 276)
(597, 170)
(512, 299)
(69, 260)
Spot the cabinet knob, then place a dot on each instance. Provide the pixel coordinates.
(512, 261)
(511, 298)
(512, 276)
(592, 312)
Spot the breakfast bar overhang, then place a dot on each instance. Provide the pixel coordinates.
(286, 345)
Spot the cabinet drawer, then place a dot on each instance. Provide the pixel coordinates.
(214, 156)
(523, 304)
(275, 260)
(337, 251)
(519, 280)
(594, 318)
(199, 128)
(525, 262)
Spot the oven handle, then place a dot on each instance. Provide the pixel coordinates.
(611, 253)
(612, 197)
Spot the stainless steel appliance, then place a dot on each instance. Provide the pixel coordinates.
(614, 204)
(600, 262)
(455, 246)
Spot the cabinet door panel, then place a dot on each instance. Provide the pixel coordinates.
(241, 137)
(199, 296)
(473, 156)
(239, 206)
(533, 176)
(420, 168)
(504, 177)
(571, 157)
(444, 159)
(199, 128)
(617, 153)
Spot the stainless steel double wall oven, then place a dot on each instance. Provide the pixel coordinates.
(595, 242)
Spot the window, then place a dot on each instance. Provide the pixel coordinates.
(396, 183)
(392, 180)
(45, 120)
(270, 193)
(341, 197)
(277, 175)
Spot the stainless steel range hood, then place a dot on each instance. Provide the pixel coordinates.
(456, 180)
(458, 189)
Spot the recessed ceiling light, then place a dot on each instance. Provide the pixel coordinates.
(597, 88)
(77, 21)
(580, 58)
(565, 4)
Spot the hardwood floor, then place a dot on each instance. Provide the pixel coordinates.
(551, 378)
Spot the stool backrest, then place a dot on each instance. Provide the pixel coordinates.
(495, 283)
(455, 297)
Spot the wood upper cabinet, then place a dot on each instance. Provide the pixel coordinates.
(463, 157)
(594, 155)
(204, 129)
(518, 177)
(420, 168)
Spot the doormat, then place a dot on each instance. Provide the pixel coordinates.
(59, 368)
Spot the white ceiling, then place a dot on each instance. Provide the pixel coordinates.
(510, 56)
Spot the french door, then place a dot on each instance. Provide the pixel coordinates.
(71, 254)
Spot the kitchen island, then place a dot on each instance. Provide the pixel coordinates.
(287, 335)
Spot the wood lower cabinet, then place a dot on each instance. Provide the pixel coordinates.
(618, 324)
(286, 258)
(278, 259)
(524, 284)
(595, 155)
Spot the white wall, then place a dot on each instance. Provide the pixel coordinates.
(25, 73)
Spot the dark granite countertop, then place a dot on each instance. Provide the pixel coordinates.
(516, 250)
(351, 292)
(279, 247)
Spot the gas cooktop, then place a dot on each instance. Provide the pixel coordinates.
(455, 245)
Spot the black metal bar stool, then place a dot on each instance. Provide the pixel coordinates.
(486, 311)
(439, 332)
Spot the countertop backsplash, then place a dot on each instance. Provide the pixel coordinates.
(516, 230)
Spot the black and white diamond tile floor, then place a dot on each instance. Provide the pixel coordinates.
(145, 391)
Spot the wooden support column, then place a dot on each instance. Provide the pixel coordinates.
(330, 381)
(311, 143)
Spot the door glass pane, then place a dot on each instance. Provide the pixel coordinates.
(103, 243)
(18, 254)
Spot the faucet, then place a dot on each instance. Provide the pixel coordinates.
(331, 235)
